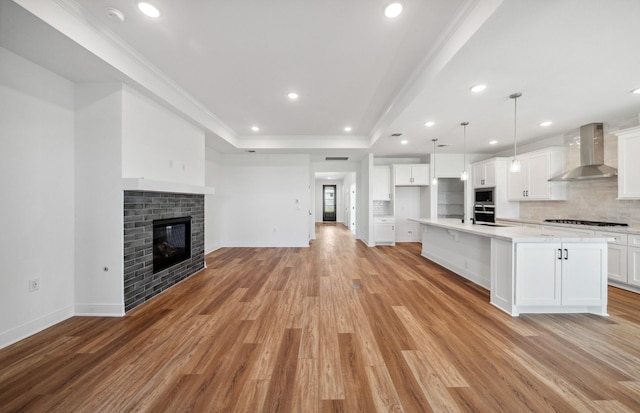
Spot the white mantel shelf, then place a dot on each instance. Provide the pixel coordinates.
(150, 185)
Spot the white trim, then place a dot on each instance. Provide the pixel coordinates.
(150, 185)
(35, 326)
(99, 310)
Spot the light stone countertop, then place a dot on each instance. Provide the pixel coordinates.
(510, 233)
(634, 230)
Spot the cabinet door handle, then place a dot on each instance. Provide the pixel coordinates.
(559, 253)
(393, 227)
(523, 195)
(527, 193)
(566, 254)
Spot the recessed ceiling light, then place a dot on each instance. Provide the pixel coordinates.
(404, 142)
(255, 128)
(493, 142)
(636, 91)
(393, 10)
(478, 88)
(292, 95)
(546, 123)
(347, 129)
(429, 124)
(149, 9)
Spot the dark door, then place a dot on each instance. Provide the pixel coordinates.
(328, 203)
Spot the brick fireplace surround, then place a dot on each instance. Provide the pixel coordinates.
(140, 209)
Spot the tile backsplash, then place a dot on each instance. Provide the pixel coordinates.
(382, 208)
(588, 200)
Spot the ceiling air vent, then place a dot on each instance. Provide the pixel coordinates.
(336, 158)
(395, 135)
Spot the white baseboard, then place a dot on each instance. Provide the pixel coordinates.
(32, 327)
(99, 310)
(265, 245)
(217, 247)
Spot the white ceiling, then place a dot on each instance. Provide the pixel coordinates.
(575, 62)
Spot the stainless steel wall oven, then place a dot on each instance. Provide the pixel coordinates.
(484, 208)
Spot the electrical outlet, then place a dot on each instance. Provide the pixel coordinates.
(410, 232)
(34, 284)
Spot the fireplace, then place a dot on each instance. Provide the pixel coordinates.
(171, 242)
(152, 249)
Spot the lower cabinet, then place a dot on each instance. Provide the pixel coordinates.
(384, 231)
(633, 267)
(560, 274)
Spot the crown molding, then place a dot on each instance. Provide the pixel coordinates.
(75, 22)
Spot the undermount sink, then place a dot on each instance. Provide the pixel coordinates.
(495, 225)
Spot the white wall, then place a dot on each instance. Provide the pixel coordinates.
(348, 180)
(212, 206)
(159, 145)
(364, 225)
(408, 204)
(265, 200)
(37, 182)
(99, 200)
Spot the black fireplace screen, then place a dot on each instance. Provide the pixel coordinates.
(171, 242)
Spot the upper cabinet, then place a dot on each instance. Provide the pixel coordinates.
(484, 174)
(382, 183)
(531, 183)
(628, 165)
(412, 175)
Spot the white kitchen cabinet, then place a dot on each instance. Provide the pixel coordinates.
(628, 165)
(617, 255)
(384, 230)
(531, 183)
(382, 183)
(483, 174)
(567, 274)
(633, 256)
(412, 175)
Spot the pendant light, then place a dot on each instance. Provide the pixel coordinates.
(434, 181)
(464, 176)
(515, 163)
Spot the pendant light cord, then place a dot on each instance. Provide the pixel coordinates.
(515, 97)
(464, 146)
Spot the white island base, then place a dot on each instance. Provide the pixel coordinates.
(527, 270)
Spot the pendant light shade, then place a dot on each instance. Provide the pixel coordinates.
(434, 181)
(464, 175)
(515, 163)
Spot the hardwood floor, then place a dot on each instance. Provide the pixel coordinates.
(335, 327)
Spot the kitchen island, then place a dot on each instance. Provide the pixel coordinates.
(527, 270)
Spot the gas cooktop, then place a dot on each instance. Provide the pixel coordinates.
(581, 222)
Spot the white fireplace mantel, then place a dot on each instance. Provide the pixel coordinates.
(150, 185)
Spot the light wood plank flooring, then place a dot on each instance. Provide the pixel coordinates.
(337, 327)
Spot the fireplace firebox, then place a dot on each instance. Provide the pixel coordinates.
(171, 242)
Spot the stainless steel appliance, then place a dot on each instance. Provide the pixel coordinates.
(591, 157)
(484, 208)
(583, 222)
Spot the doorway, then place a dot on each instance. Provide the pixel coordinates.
(329, 203)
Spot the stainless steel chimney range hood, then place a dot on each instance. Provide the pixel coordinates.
(591, 157)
